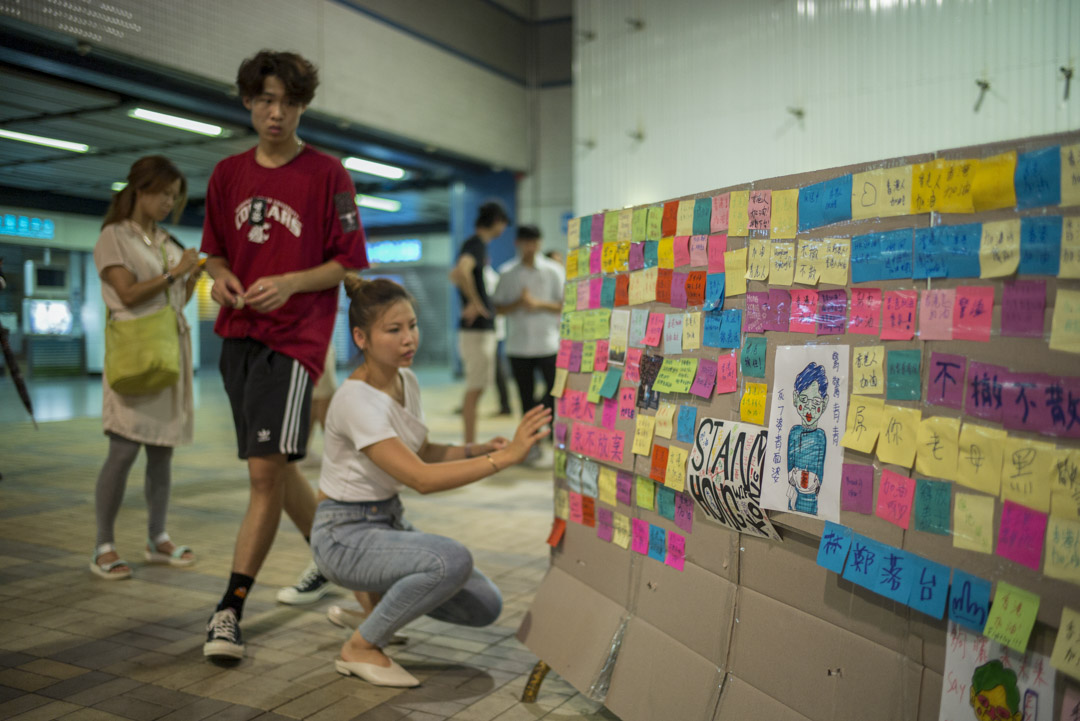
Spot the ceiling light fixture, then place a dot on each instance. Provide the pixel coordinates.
(370, 167)
(386, 204)
(48, 142)
(175, 121)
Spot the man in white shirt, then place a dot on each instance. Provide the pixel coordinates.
(530, 295)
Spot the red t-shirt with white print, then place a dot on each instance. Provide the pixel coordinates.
(269, 221)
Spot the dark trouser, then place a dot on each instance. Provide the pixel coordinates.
(524, 370)
(500, 379)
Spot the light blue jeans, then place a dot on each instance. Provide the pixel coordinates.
(370, 547)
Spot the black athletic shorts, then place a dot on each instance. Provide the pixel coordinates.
(270, 395)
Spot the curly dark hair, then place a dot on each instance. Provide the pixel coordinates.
(296, 73)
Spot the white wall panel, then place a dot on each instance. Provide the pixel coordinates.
(709, 84)
(546, 193)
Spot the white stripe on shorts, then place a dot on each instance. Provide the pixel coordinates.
(286, 442)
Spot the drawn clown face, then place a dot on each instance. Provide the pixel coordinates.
(991, 705)
(810, 405)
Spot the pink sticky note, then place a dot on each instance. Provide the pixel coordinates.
(605, 524)
(627, 402)
(865, 311)
(757, 306)
(624, 484)
(759, 209)
(1023, 402)
(705, 378)
(560, 433)
(639, 542)
(857, 488)
(676, 550)
(610, 413)
(632, 369)
(637, 256)
(595, 255)
(678, 290)
(832, 312)
(699, 251)
(574, 405)
(584, 288)
(727, 372)
(601, 360)
(1022, 534)
(984, 391)
(945, 380)
(778, 314)
(684, 511)
(717, 248)
(804, 304)
(575, 507)
(719, 221)
(596, 288)
(682, 250)
(563, 359)
(1023, 309)
(655, 330)
(575, 356)
(936, 314)
(898, 314)
(596, 231)
(1070, 706)
(895, 496)
(973, 313)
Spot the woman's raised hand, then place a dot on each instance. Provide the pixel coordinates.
(188, 260)
(529, 431)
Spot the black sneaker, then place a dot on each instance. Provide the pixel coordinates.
(223, 636)
(309, 588)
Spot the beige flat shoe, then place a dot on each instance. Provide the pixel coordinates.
(393, 675)
(350, 618)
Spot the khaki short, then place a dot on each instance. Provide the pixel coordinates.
(477, 351)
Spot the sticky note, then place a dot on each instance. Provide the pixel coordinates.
(1070, 176)
(984, 390)
(1038, 177)
(865, 311)
(899, 427)
(903, 375)
(596, 382)
(588, 357)
(685, 372)
(1021, 535)
(738, 220)
(778, 310)
(559, 386)
(558, 528)
(753, 357)
(758, 259)
(810, 261)
(898, 314)
(654, 223)
(930, 589)
(676, 550)
(757, 305)
(720, 205)
(644, 492)
(833, 548)
(665, 420)
(969, 602)
(785, 210)
(665, 253)
(1065, 326)
(759, 209)
(588, 511)
(621, 530)
(573, 232)
(999, 248)
(992, 187)
(717, 249)
(654, 331)
(606, 485)
(673, 332)
(1012, 616)
(973, 522)
(665, 502)
(691, 331)
(936, 314)
(658, 463)
(735, 273)
(752, 406)
(675, 472)
(864, 561)
(868, 376)
(982, 451)
(825, 203)
(945, 380)
(684, 512)
(804, 311)
(1063, 550)
(696, 288)
(699, 250)
(639, 219)
(781, 263)
(687, 420)
(624, 484)
(832, 312)
(605, 529)
(713, 298)
(643, 434)
(1066, 656)
(639, 542)
(705, 380)
(882, 256)
(575, 507)
(933, 506)
(663, 285)
(958, 247)
(684, 219)
(562, 503)
(1065, 484)
(609, 412)
(857, 488)
(1040, 245)
(600, 360)
(837, 261)
(1026, 472)
(727, 376)
(881, 193)
(864, 421)
(681, 250)
(973, 313)
(938, 441)
(895, 498)
(590, 472)
(1023, 309)
(943, 186)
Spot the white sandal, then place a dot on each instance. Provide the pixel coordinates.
(105, 571)
(176, 558)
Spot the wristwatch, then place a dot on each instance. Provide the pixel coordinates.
(169, 277)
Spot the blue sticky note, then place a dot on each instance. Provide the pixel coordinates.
(1038, 177)
(929, 257)
(882, 256)
(753, 357)
(702, 216)
(607, 293)
(895, 575)
(657, 542)
(652, 247)
(687, 422)
(933, 506)
(833, 550)
(931, 587)
(586, 230)
(714, 291)
(730, 328)
(825, 203)
(969, 603)
(611, 383)
(960, 249)
(711, 328)
(863, 561)
(665, 502)
(1040, 245)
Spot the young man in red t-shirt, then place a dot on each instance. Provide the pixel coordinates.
(281, 229)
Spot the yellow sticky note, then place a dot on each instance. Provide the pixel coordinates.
(611, 226)
(735, 272)
(1025, 472)
(643, 434)
(675, 478)
(979, 458)
(569, 296)
(1065, 327)
(635, 291)
(596, 382)
(973, 522)
(868, 377)
(571, 266)
(607, 485)
(588, 356)
(881, 193)
(691, 331)
(648, 280)
(1070, 249)
(863, 423)
(645, 493)
(992, 187)
(785, 213)
(607, 256)
(752, 406)
(626, 222)
(738, 213)
(837, 261)
(758, 258)
(559, 385)
(1070, 174)
(684, 220)
(1065, 484)
(685, 370)
(781, 263)
(937, 441)
(573, 233)
(810, 263)
(1012, 616)
(622, 255)
(1062, 555)
(899, 431)
(577, 326)
(621, 534)
(999, 248)
(943, 186)
(665, 253)
(1066, 655)
(665, 417)
(562, 503)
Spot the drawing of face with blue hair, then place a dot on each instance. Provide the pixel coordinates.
(811, 394)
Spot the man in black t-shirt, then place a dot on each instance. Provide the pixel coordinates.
(476, 331)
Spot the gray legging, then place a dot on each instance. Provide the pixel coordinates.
(113, 480)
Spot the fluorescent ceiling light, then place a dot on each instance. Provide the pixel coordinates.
(118, 186)
(174, 121)
(49, 142)
(370, 201)
(370, 167)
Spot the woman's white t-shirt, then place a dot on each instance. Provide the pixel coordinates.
(360, 416)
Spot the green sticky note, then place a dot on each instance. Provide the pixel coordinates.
(933, 501)
(666, 377)
(654, 223)
(665, 502)
(611, 226)
(753, 357)
(903, 371)
(644, 491)
(639, 224)
(1012, 616)
(560, 464)
(611, 383)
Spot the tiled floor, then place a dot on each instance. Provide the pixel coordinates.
(78, 648)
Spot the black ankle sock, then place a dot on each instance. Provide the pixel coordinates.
(239, 587)
(307, 539)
